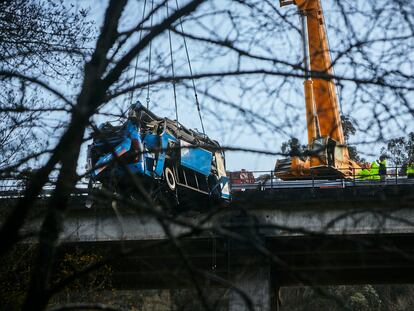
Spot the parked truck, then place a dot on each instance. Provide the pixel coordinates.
(168, 159)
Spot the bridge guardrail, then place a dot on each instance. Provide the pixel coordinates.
(268, 180)
(257, 180)
(15, 187)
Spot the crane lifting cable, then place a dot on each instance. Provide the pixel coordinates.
(136, 60)
(149, 57)
(191, 71)
(172, 68)
(172, 64)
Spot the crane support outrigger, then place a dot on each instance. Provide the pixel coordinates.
(328, 155)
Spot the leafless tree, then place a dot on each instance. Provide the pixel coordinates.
(247, 68)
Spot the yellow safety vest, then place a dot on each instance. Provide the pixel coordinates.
(364, 174)
(374, 172)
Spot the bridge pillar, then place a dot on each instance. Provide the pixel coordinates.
(256, 283)
(250, 271)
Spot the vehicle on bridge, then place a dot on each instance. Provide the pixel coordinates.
(327, 154)
(173, 161)
(240, 178)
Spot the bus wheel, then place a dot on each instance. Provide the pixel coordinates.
(170, 178)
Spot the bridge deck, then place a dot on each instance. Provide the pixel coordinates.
(329, 235)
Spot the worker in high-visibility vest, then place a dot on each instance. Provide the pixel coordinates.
(410, 170)
(364, 174)
(383, 168)
(374, 171)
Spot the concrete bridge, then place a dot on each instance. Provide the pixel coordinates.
(265, 239)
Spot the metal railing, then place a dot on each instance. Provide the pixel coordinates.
(15, 187)
(258, 180)
(269, 180)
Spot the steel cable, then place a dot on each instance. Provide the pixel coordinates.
(136, 61)
(191, 71)
(172, 68)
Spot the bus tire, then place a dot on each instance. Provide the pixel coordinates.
(170, 178)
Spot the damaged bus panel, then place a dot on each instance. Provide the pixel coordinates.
(171, 158)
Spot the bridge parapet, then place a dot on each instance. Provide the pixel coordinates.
(283, 213)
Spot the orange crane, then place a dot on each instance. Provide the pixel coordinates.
(327, 155)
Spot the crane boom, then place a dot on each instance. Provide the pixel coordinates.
(326, 99)
(326, 142)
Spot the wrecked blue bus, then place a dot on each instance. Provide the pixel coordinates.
(171, 158)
